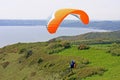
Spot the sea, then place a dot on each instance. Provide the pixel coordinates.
(25, 34)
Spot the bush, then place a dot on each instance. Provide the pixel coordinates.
(23, 50)
(115, 52)
(5, 64)
(55, 50)
(29, 53)
(40, 60)
(83, 47)
(66, 45)
(57, 47)
(114, 49)
(51, 64)
(89, 71)
(54, 45)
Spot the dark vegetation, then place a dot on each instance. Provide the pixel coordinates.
(115, 49)
(40, 60)
(57, 46)
(5, 64)
(83, 47)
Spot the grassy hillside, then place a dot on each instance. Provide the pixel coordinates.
(50, 61)
(95, 58)
(98, 57)
(94, 36)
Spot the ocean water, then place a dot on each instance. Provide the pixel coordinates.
(14, 34)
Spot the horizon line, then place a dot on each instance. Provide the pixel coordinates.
(46, 19)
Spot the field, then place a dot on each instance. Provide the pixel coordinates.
(98, 57)
(50, 61)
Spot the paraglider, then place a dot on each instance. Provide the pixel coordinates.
(59, 16)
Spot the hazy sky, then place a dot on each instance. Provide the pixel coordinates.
(42, 9)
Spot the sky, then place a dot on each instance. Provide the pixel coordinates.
(42, 9)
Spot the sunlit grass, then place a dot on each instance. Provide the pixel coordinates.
(98, 57)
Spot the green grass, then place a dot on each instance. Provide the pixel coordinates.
(98, 57)
(55, 66)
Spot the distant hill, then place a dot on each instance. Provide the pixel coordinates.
(22, 22)
(103, 25)
(112, 36)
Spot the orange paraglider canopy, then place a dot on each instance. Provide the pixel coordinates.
(61, 14)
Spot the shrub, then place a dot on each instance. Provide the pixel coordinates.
(83, 47)
(114, 49)
(54, 45)
(115, 52)
(5, 64)
(29, 53)
(23, 50)
(89, 71)
(57, 47)
(51, 64)
(40, 60)
(66, 45)
(55, 50)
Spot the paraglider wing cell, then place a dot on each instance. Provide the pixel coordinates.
(61, 14)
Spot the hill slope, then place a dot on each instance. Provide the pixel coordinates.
(115, 35)
(31, 61)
